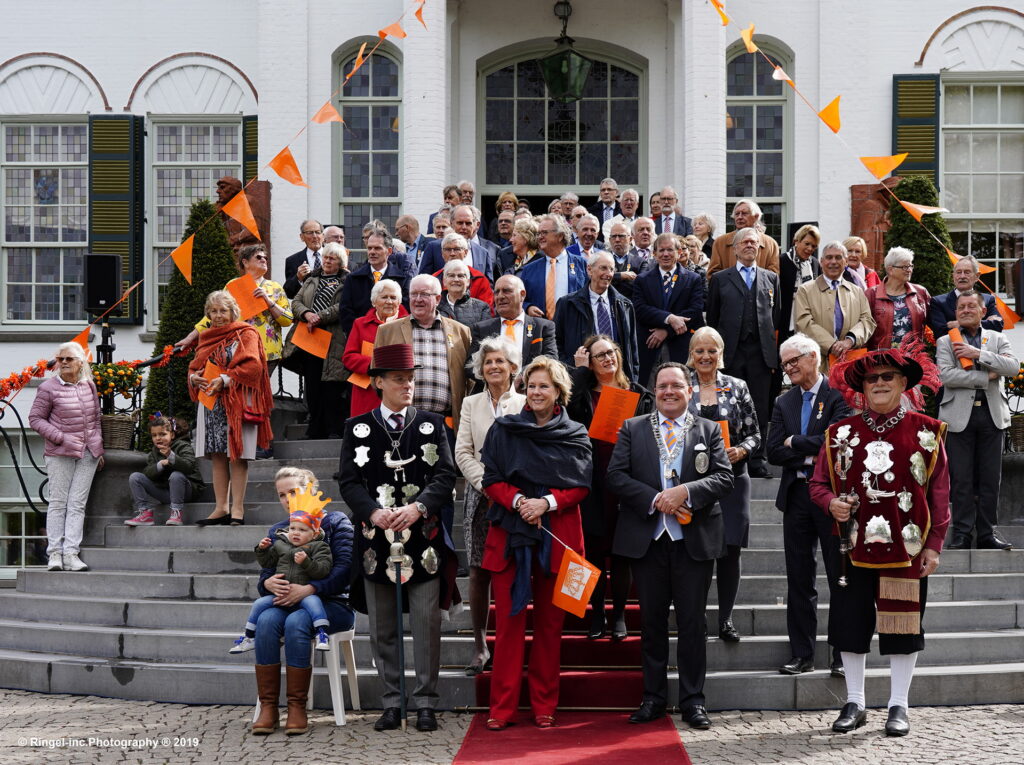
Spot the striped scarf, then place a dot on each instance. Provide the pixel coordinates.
(324, 295)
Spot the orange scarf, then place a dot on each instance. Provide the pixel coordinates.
(250, 385)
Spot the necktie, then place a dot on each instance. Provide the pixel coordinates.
(397, 421)
(376, 276)
(669, 426)
(607, 214)
(666, 225)
(549, 289)
(644, 253)
(316, 260)
(838, 311)
(748, 275)
(666, 287)
(805, 412)
(604, 320)
(510, 329)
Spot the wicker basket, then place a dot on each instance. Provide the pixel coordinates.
(1017, 433)
(118, 430)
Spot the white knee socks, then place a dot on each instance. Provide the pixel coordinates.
(901, 669)
(853, 663)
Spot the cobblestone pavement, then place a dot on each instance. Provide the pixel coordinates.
(38, 728)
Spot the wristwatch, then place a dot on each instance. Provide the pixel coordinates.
(422, 508)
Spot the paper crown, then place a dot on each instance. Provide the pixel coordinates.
(307, 506)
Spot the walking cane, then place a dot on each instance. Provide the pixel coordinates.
(396, 559)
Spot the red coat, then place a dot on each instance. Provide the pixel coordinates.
(364, 330)
(565, 524)
(479, 286)
(882, 311)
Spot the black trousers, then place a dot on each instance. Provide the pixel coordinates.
(851, 616)
(747, 363)
(668, 576)
(804, 527)
(975, 470)
(323, 399)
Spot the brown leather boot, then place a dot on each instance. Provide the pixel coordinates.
(268, 688)
(297, 688)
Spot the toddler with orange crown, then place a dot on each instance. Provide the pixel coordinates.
(300, 555)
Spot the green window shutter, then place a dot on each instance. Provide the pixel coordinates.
(250, 148)
(116, 219)
(915, 124)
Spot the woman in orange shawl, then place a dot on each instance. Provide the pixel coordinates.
(240, 418)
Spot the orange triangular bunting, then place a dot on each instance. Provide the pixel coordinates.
(238, 208)
(830, 115)
(748, 39)
(882, 166)
(1009, 317)
(918, 211)
(780, 74)
(182, 257)
(982, 268)
(284, 165)
(327, 113)
(82, 338)
(392, 30)
(419, 14)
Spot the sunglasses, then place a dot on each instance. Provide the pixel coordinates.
(883, 376)
(66, 358)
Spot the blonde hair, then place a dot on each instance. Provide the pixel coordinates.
(224, 298)
(305, 477)
(712, 334)
(556, 371)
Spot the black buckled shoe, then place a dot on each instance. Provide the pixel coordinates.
(994, 542)
(426, 720)
(836, 669)
(850, 718)
(728, 633)
(696, 717)
(960, 542)
(897, 724)
(647, 712)
(390, 720)
(796, 666)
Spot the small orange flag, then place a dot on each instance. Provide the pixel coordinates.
(780, 74)
(830, 115)
(357, 63)
(721, 14)
(982, 268)
(328, 113)
(82, 338)
(748, 39)
(918, 211)
(1009, 317)
(392, 30)
(882, 166)
(419, 14)
(576, 580)
(182, 257)
(238, 208)
(284, 165)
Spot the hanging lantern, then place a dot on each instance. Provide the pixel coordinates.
(565, 71)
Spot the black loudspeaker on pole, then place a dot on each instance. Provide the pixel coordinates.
(102, 283)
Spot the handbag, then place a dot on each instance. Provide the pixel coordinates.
(250, 417)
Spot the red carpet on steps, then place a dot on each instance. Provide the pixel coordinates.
(593, 738)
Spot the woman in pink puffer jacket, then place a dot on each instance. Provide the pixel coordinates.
(66, 413)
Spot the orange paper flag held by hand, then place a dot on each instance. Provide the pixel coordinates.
(724, 426)
(918, 211)
(358, 378)
(882, 166)
(316, 342)
(238, 208)
(576, 580)
(210, 372)
(748, 39)
(392, 30)
(182, 257)
(328, 113)
(955, 336)
(241, 290)
(830, 115)
(284, 165)
(615, 407)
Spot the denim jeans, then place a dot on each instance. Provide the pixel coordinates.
(311, 604)
(296, 628)
(146, 493)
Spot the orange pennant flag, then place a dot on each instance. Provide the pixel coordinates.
(357, 63)
(1009, 317)
(779, 74)
(721, 14)
(284, 165)
(576, 580)
(918, 211)
(419, 13)
(982, 268)
(327, 113)
(392, 30)
(830, 115)
(238, 208)
(182, 257)
(748, 39)
(82, 338)
(882, 166)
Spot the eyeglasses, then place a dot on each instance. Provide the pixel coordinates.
(603, 355)
(884, 376)
(259, 257)
(423, 295)
(66, 358)
(790, 363)
(907, 267)
(452, 249)
(312, 233)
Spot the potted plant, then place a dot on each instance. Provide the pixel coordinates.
(1015, 398)
(117, 378)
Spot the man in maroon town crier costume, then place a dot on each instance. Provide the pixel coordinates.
(896, 495)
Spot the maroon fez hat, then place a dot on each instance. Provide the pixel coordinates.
(393, 358)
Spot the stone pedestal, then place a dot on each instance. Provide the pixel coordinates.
(109, 494)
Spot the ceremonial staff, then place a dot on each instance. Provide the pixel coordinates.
(843, 463)
(398, 559)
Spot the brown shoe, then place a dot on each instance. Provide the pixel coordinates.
(297, 679)
(268, 688)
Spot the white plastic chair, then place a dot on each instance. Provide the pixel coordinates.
(339, 642)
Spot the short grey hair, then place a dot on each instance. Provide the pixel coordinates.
(496, 344)
(561, 227)
(755, 208)
(569, 195)
(428, 279)
(451, 265)
(973, 261)
(591, 218)
(385, 238)
(74, 349)
(472, 211)
(709, 219)
(596, 255)
(335, 248)
(800, 343)
(455, 238)
(380, 286)
(897, 256)
(835, 244)
(611, 181)
(741, 234)
(630, 192)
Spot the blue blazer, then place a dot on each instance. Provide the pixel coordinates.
(942, 310)
(576, 249)
(535, 275)
(483, 259)
(574, 323)
(682, 225)
(686, 299)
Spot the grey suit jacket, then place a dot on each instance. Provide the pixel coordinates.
(634, 474)
(959, 384)
(726, 294)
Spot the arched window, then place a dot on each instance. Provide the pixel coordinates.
(755, 138)
(370, 103)
(532, 141)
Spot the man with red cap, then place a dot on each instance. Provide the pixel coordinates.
(882, 476)
(396, 474)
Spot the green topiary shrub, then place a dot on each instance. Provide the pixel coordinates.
(213, 266)
(932, 268)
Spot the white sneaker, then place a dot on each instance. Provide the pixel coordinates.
(74, 563)
(56, 562)
(243, 644)
(322, 641)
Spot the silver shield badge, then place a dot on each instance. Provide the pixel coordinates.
(429, 561)
(917, 468)
(702, 462)
(430, 454)
(369, 562)
(912, 539)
